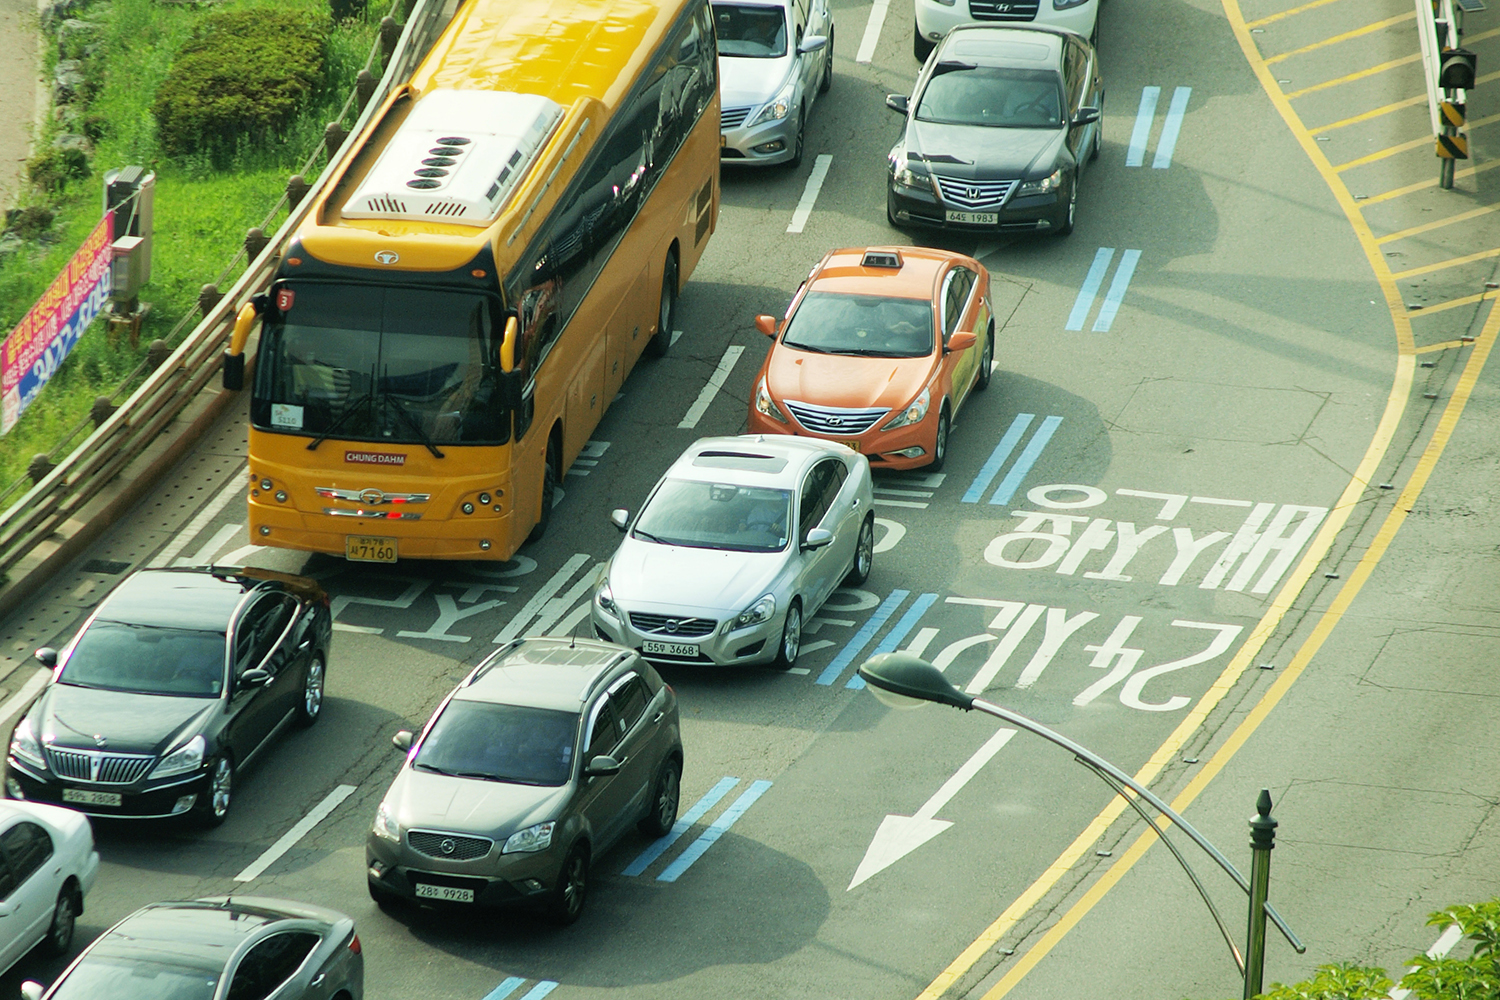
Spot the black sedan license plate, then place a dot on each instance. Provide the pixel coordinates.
(84, 797)
(973, 218)
(369, 548)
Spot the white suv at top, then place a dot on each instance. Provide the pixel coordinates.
(935, 17)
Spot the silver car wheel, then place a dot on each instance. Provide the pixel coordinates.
(791, 636)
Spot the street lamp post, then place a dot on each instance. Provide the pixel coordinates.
(905, 681)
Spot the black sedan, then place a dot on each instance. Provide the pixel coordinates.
(997, 132)
(178, 678)
(186, 951)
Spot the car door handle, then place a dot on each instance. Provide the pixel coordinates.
(303, 644)
(856, 502)
(657, 717)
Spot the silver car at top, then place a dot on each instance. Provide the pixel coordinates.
(739, 543)
(775, 58)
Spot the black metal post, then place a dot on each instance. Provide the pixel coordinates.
(1262, 840)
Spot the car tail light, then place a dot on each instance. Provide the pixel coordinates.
(354, 944)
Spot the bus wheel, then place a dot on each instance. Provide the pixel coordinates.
(667, 318)
(549, 493)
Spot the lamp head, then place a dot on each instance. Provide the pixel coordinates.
(911, 680)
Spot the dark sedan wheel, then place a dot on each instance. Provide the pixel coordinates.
(791, 637)
(940, 443)
(64, 919)
(1067, 223)
(864, 554)
(890, 210)
(827, 65)
(664, 799)
(986, 360)
(212, 807)
(572, 887)
(311, 705)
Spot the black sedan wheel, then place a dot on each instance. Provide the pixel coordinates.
(212, 807)
(664, 799)
(1067, 223)
(572, 887)
(311, 705)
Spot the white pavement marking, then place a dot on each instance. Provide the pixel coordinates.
(1439, 949)
(671, 343)
(1135, 153)
(715, 383)
(240, 554)
(568, 624)
(539, 600)
(1117, 289)
(1168, 141)
(557, 607)
(27, 691)
(810, 193)
(296, 833)
(900, 503)
(205, 555)
(1091, 282)
(898, 836)
(872, 31)
(235, 485)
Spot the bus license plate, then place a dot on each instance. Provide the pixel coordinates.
(669, 648)
(974, 218)
(444, 892)
(369, 548)
(88, 798)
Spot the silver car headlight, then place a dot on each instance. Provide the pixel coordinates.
(533, 838)
(605, 598)
(188, 757)
(1046, 185)
(756, 614)
(1062, 4)
(765, 404)
(385, 824)
(24, 744)
(778, 107)
(913, 413)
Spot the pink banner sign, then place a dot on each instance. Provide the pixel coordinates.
(51, 329)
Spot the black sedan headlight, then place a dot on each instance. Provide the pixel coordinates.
(24, 745)
(183, 760)
(1046, 185)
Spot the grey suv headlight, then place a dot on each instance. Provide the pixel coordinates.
(534, 838)
(188, 757)
(385, 824)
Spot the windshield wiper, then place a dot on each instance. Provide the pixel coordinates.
(802, 347)
(454, 774)
(865, 352)
(937, 157)
(647, 536)
(338, 422)
(411, 422)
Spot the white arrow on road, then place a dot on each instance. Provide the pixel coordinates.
(898, 836)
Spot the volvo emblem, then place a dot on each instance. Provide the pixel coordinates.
(672, 624)
(386, 256)
(448, 845)
(371, 496)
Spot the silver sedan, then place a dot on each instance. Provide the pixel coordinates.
(739, 543)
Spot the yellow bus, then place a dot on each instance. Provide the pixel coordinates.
(465, 300)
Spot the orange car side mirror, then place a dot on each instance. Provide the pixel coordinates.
(962, 341)
(766, 325)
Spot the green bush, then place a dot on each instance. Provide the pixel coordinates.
(53, 168)
(242, 78)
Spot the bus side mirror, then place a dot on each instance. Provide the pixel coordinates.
(234, 358)
(508, 345)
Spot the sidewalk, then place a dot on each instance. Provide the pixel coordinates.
(18, 40)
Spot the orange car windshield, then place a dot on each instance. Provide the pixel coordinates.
(865, 325)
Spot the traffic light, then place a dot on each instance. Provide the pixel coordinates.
(1459, 69)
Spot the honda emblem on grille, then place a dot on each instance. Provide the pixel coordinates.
(448, 845)
(974, 194)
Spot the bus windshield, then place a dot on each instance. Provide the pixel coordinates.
(371, 363)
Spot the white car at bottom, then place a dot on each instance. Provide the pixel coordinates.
(47, 867)
(739, 544)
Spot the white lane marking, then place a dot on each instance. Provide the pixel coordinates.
(715, 383)
(572, 620)
(1135, 154)
(916, 505)
(296, 833)
(894, 532)
(539, 600)
(1168, 141)
(872, 31)
(235, 485)
(898, 836)
(27, 691)
(1091, 282)
(557, 607)
(675, 335)
(1117, 288)
(205, 555)
(240, 554)
(810, 193)
(361, 629)
(1440, 949)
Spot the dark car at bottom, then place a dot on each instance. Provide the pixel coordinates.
(177, 680)
(218, 948)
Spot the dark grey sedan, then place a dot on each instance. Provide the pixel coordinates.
(244, 948)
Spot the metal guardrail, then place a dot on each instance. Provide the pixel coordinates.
(171, 385)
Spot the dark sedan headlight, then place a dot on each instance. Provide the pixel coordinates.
(24, 745)
(1046, 185)
(756, 614)
(188, 757)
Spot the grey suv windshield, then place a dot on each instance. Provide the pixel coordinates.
(868, 325)
(962, 94)
(751, 30)
(716, 516)
(145, 659)
(510, 743)
(397, 365)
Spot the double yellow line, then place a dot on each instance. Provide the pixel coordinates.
(1375, 453)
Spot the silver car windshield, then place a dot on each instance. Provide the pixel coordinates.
(754, 31)
(509, 743)
(717, 516)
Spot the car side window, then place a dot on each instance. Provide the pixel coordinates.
(26, 847)
(259, 628)
(7, 880)
(629, 700)
(604, 734)
(955, 297)
(265, 967)
(837, 473)
(1076, 69)
(810, 509)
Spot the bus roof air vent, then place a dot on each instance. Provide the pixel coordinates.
(456, 158)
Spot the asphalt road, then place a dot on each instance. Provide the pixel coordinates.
(1152, 501)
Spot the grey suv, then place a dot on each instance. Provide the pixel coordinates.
(539, 761)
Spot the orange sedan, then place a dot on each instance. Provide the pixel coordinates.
(879, 349)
